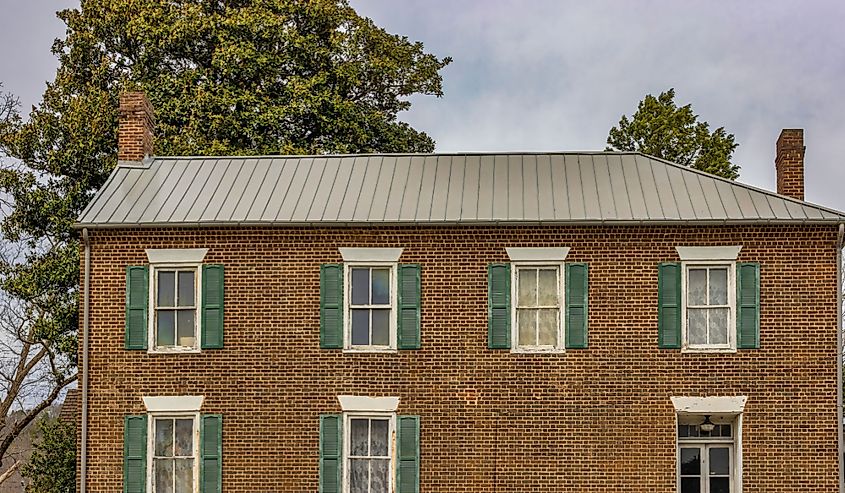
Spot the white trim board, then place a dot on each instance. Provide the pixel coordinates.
(709, 405)
(370, 254)
(354, 403)
(708, 252)
(176, 255)
(519, 254)
(178, 403)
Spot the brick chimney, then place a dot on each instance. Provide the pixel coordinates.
(789, 163)
(135, 127)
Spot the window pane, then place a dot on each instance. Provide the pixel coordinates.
(361, 286)
(184, 437)
(690, 485)
(186, 288)
(164, 438)
(527, 295)
(526, 320)
(720, 461)
(185, 327)
(379, 476)
(381, 286)
(360, 327)
(718, 286)
(548, 327)
(378, 437)
(359, 475)
(166, 332)
(719, 325)
(697, 287)
(683, 431)
(690, 461)
(163, 474)
(166, 288)
(381, 327)
(184, 475)
(358, 435)
(720, 485)
(548, 293)
(697, 325)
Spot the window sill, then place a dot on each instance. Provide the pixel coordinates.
(174, 351)
(369, 350)
(537, 351)
(703, 350)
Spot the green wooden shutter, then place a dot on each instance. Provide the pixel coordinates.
(408, 455)
(212, 306)
(135, 454)
(211, 458)
(331, 306)
(499, 306)
(331, 452)
(577, 292)
(669, 305)
(137, 299)
(409, 307)
(748, 305)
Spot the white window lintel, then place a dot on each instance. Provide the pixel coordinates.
(176, 255)
(354, 403)
(180, 403)
(709, 405)
(694, 253)
(551, 254)
(370, 254)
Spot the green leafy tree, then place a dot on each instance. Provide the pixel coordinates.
(662, 129)
(52, 466)
(225, 77)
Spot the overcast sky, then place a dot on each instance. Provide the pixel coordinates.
(547, 75)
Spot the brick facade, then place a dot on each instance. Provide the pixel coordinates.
(594, 420)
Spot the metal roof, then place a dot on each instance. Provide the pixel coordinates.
(549, 188)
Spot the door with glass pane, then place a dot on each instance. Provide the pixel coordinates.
(706, 468)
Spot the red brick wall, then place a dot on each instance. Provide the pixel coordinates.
(595, 420)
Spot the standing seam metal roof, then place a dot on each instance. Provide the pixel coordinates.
(546, 188)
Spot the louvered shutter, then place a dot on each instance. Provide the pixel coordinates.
(669, 305)
(409, 307)
(499, 306)
(137, 300)
(748, 305)
(212, 306)
(331, 306)
(331, 447)
(577, 293)
(408, 455)
(211, 460)
(135, 454)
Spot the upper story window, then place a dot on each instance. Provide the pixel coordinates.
(537, 303)
(539, 298)
(371, 306)
(175, 307)
(710, 305)
(708, 301)
(174, 303)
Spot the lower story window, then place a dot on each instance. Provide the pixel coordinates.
(369, 456)
(706, 455)
(174, 454)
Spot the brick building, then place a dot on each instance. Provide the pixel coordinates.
(584, 322)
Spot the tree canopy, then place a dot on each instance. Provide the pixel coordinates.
(226, 77)
(662, 129)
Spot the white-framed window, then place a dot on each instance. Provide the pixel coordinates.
(370, 306)
(175, 302)
(368, 452)
(707, 458)
(709, 299)
(173, 452)
(537, 315)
